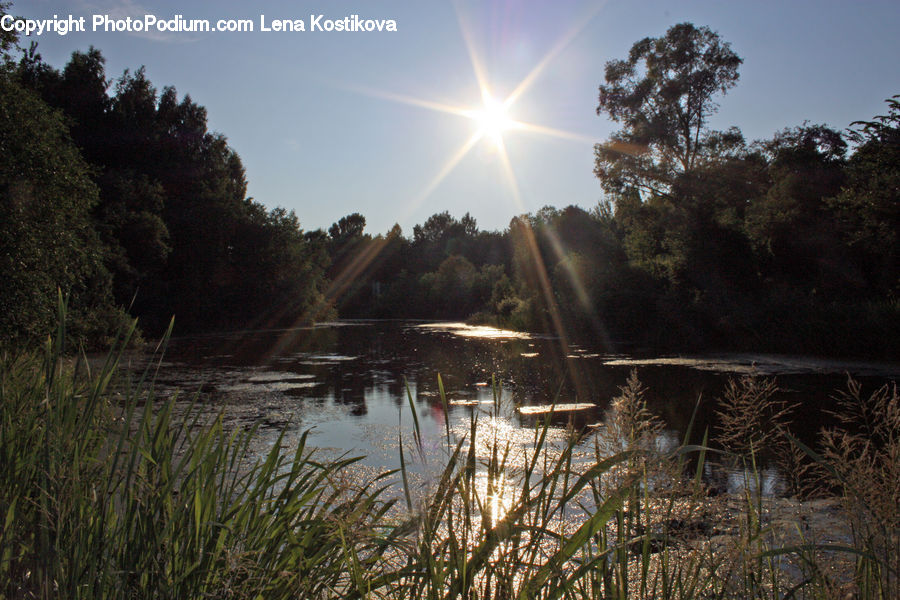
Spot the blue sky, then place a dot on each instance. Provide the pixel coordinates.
(326, 122)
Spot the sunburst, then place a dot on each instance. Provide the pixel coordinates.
(492, 120)
(493, 116)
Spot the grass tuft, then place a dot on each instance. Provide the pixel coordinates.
(106, 493)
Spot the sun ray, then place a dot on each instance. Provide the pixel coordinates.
(551, 131)
(548, 58)
(546, 286)
(540, 267)
(492, 119)
(626, 148)
(444, 172)
(578, 286)
(411, 100)
(510, 176)
(477, 67)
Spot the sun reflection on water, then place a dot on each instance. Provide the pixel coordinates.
(475, 331)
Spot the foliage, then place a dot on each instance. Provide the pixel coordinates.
(180, 236)
(126, 498)
(867, 206)
(732, 238)
(859, 458)
(791, 225)
(750, 416)
(862, 457)
(351, 226)
(108, 492)
(47, 241)
(663, 95)
(8, 39)
(706, 241)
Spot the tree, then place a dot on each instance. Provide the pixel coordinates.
(347, 228)
(791, 223)
(81, 94)
(167, 216)
(869, 205)
(47, 241)
(441, 236)
(439, 227)
(8, 39)
(663, 94)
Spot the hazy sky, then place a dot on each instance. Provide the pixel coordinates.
(330, 123)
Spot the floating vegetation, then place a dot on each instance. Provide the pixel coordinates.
(100, 488)
(279, 376)
(269, 386)
(555, 408)
(763, 364)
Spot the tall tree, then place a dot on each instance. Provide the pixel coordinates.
(869, 205)
(351, 226)
(8, 39)
(663, 95)
(791, 224)
(47, 241)
(181, 237)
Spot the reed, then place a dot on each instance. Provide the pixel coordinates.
(860, 457)
(106, 493)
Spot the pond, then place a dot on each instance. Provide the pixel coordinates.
(348, 382)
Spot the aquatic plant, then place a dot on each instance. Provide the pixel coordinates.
(106, 492)
(104, 495)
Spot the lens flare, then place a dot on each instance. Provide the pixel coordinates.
(492, 120)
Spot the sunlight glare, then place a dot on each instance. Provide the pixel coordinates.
(492, 120)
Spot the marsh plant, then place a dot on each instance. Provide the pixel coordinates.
(631, 427)
(861, 458)
(105, 493)
(752, 428)
(750, 416)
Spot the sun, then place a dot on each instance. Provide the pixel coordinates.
(492, 119)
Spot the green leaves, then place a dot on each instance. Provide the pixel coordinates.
(48, 241)
(102, 500)
(663, 95)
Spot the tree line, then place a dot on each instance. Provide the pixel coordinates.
(705, 241)
(116, 193)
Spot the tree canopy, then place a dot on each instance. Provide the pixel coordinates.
(116, 192)
(47, 241)
(663, 95)
(157, 200)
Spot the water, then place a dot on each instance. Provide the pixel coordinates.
(348, 382)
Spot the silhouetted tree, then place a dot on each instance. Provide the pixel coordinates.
(663, 95)
(351, 226)
(792, 224)
(47, 239)
(180, 235)
(869, 205)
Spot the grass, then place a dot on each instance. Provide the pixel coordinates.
(104, 493)
(101, 498)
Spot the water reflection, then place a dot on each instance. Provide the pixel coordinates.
(733, 479)
(348, 381)
(476, 331)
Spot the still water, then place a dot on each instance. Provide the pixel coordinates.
(348, 383)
